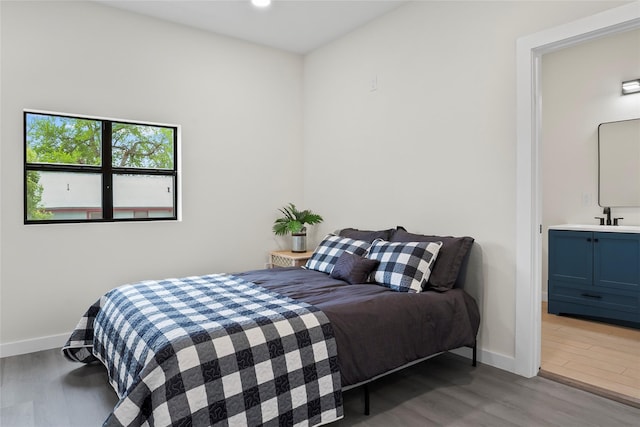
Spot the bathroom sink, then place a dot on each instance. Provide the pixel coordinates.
(593, 227)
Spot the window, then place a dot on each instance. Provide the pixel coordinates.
(80, 169)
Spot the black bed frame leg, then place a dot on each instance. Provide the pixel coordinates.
(474, 361)
(366, 399)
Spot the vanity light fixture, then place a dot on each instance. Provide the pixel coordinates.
(631, 86)
(261, 3)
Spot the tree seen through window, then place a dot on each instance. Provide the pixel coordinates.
(63, 154)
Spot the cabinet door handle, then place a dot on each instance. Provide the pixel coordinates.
(588, 239)
(592, 296)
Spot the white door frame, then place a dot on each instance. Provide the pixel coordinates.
(529, 51)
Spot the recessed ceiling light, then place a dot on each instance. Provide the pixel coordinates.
(261, 3)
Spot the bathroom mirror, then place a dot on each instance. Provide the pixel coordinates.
(619, 163)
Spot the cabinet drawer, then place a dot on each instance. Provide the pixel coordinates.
(620, 301)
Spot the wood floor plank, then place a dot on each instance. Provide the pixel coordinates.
(596, 381)
(610, 413)
(623, 361)
(561, 358)
(555, 359)
(531, 408)
(19, 415)
(599, 336)
(550, 325)
(444, 391)
(564, 340)
(616, 353)
(623, 344)
(633, 373)
(601, 373)
(593, 326)
(61, 393)
(597, 354)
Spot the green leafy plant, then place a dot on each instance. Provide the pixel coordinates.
(35, 209)
(294, 220)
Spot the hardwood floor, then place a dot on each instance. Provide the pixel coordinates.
(592, 354)
(43, 389)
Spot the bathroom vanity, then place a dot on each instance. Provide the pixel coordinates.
(594, 271)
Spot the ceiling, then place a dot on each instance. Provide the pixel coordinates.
(297, 26)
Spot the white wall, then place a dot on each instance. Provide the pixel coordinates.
(433, 148)
(589, 76)
(240, 109)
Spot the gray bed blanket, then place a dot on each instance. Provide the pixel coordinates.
(377, 329)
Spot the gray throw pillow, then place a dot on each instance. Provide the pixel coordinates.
(353, 268)
(366, 235)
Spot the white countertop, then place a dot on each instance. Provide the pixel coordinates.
(603, 228)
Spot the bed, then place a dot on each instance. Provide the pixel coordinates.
(278, 346)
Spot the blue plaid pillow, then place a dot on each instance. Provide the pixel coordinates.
(404, 266)
(329, 250)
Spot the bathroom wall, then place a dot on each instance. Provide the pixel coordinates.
(581, 88)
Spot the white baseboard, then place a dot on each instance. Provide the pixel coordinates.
(497, 360)
(16, 348)
(545, 296)
(31, 346)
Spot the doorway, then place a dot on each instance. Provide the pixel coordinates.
(600, 357)
(529, 51)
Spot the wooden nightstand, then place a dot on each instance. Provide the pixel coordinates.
(289, 259)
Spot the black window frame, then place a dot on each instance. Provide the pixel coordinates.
(106, 170)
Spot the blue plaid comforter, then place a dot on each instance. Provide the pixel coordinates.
(211, 350)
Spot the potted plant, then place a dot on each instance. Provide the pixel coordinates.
(294, 222)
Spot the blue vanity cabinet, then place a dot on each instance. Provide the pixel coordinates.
(595, 274)
(616, 262)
